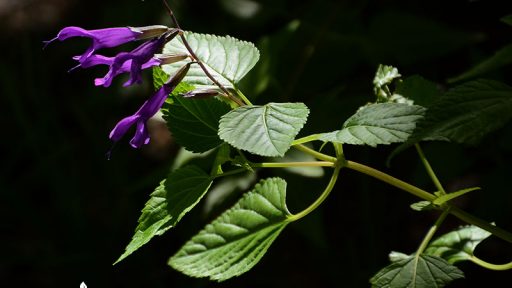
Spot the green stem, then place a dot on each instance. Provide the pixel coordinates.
(499, 267)
(241, 95)
(431, 232)
(429, 169)
(320, 199)
(316, 154)
(305, 139)
(390, 180)
(293, 164)
(461, 214)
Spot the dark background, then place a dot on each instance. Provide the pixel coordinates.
(68, 212)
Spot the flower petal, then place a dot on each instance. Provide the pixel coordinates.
(141, 136)
(122, 127)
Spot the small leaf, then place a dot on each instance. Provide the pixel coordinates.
(422, 206)
(466, 113)
(264, 130)
(421, 91)
(447, 197)
(159, 77)
(502, 57)
(423, 271)
(234, 242)
(385, 75)
(171, 200)
(382, 123)
(226, 58)
(194, 123)
(457, 245)
(395, 256)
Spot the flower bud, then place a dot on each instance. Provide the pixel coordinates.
(170, 58)
(201, 93)
(150, 31)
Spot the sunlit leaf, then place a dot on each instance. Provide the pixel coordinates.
(227, 59)
(457, 245)
(171, 200)
(423, 271)
(234, 242)
(447, 197)
(264, 130)
(382, 123)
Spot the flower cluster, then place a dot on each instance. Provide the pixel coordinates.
(146, 55)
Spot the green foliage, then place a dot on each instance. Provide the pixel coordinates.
(263, 130)
(170, 201)
(381, 123)
(235, 241)
(457, 245)
(194, 123)
(384, 77)
(423, 271)
(447, 197)
(226, 58)
(466, 113)
(159, 77)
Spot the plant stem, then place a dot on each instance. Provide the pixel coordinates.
(390, 180)
(320, 199)
(461, 214)
(498, 267)
(199, 62)
(431, 232)
(316, 154)
(241, 95)
(305, 139)
(293, 164)
(429, 169)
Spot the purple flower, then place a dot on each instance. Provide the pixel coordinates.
(97, 59)
(101, 38)
(146, 111)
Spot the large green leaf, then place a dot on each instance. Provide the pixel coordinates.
(226, 58)
(171, 200)
(194, 123)
(501, 58)
(466, 113)
(235, 241)
(423, 271)
(264, 130)
(382, 123)
(457, 245)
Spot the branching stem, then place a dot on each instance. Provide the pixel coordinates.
(429, 169)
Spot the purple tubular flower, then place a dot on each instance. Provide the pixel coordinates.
(146, 111)
(101, 38)
(125, 67)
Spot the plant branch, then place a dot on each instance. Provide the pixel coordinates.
(314, 153)
(199, 62)
(305, 139)
(431, 232)
(459, 213)
(498, 267)
(293, 164)
(429, 169)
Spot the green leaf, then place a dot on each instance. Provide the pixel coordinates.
(423, 271)
(194, 123)
(395, 256)
(385, 75)
(226, 58)
(381, 123)
(235, 241)
(421, 91)
(466, 113)
(159, 77)
(457, 245)
(171, 200)
(502, 57)
(422, 206)
(447, 197)
(264, 130)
